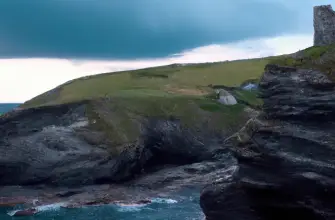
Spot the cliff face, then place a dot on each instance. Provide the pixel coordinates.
(286, 169)
(324, 25)
(57, 146)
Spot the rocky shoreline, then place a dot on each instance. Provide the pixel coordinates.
(52, 153)
(279, 165)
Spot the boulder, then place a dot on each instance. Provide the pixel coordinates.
(226, 98)
(25, 212)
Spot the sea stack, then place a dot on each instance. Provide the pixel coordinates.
(324, 25)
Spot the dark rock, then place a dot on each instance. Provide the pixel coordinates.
(12, 201)
(26, 212)
(55, 146)
(163, 143)
(197, 174)
(300, 94)
(287, 168)
(68, 193)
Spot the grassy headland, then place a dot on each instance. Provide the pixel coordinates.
(172, 80)
(121, 101)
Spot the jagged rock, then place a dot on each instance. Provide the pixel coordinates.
(49, 145)
(163, 142)
(287, 168)
(291, 93)
(26, 212)
(245, 134)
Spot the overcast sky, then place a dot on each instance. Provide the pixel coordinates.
(50, 42)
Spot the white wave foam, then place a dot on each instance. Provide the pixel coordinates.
(11, 213)
(164, 200)
(50, 207)
(42, 208)
(130, 208)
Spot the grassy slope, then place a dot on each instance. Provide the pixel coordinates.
(123, 100)
(160, 81)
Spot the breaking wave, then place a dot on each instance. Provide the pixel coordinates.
(42, 208)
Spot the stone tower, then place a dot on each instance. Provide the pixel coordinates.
(324, 25)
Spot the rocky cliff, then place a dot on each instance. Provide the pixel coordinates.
(286, 169)
(324, 25)
(56, 146)
(56, 154)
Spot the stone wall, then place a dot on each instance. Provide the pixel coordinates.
(324, 25)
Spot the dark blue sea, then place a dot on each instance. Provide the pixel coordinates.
(182, 207)
(5, 107)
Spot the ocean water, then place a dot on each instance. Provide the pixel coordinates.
(185, 207)
(5, 107)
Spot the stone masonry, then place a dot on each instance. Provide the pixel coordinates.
(324, 25)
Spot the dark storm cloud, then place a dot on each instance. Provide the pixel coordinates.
(136, 29)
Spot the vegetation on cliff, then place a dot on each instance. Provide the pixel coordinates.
(172, 80)
(120, 102)
(317, 57)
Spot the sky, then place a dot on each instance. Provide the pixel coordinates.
(46, 43)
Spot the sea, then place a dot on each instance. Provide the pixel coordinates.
(5, 107)
(184, 206)
(181, 206)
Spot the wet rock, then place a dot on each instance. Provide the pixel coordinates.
(12, 201)
(197, 174)
(26, 212)
(68, 193)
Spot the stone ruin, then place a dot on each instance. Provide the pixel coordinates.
(324, 25)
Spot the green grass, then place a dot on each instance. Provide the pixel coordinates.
(316, 57)
(249, 97)
(121, 102)
(158, 81)
(121, 118)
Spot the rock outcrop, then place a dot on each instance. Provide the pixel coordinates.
(287, 168)
(56, 146)
(324, 25)
(41, 146)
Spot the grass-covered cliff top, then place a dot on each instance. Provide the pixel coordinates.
(122, 100)
(316, 57)
(180, 80)
(184, 80)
